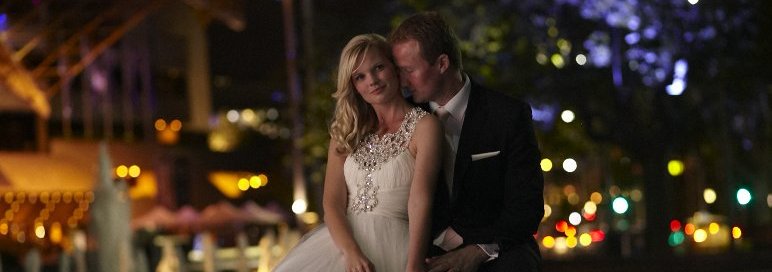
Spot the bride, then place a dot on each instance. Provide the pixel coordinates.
(382, 165)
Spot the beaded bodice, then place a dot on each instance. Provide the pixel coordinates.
(374, 151)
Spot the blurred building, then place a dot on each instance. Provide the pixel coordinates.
(136, 75)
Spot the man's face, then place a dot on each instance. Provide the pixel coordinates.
(416, 74)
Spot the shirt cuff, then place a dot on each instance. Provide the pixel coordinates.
(492, 250)
(448, 240)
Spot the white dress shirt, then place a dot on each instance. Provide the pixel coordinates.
(456, 108)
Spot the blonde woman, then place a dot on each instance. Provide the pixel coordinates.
(382, 166)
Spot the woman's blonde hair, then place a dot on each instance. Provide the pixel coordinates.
(354, 118)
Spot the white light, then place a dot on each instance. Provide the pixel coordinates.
(694, 2)
(567, 116)
(709, 195)
(581, 59)
(677, 87)
(569, 165)
(620, 205)
(743, 196)
(232, 116)
(574, 218)
(299, 206)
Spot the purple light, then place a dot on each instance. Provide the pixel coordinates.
(747, 144)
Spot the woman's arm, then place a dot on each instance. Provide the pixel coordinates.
(426, 145)
(335, 201)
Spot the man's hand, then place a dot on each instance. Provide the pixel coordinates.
(464, 259)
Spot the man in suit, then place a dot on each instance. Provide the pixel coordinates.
(488, 213)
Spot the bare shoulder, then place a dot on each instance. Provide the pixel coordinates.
(428, 125)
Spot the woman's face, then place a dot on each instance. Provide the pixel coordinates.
(376, 79)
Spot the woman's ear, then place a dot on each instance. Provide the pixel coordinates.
(443, 62)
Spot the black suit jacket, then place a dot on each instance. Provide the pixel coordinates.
(497, 199)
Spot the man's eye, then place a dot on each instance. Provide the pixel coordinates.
(379, 67)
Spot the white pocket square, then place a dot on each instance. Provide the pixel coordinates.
(484, 155)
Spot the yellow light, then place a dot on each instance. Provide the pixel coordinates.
(175, 125)
(146, 186)
(546, 165)
(121, 171)
(700, 235)
(571, 241)
(4, 228)
(560, 245)
(309, 218)
(263, 179)
(227, 183)
(709, 195)
(56, 233)
(254, 182)
(713, 228)
(548, 241)
(736, 232)
(585, 239)
(547, 210)
(571, 231)
(243, 184)
(596, 197)
(160, 124)
(134, 171)
(40, 231)
(590, 207)
(675, 167)
(557, 60)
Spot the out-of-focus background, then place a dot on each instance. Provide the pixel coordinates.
(191, 135)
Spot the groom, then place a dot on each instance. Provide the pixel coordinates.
(493, 203)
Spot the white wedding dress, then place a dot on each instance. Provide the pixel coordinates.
(378, 176)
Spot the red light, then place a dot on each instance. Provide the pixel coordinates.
(675, 225)
(588, 216)
(561, 225)
(597, 235)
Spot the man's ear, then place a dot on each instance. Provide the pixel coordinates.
(443, 62)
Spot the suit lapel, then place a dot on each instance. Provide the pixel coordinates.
(470, 130)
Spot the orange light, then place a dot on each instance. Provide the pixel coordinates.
(689, 229)
(121, 171)
(175, 125)
(160, 124)
(561, 225)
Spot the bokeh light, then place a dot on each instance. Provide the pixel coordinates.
(569, 165)
(700, 235)
(743, 196)
(546, 165)
(567, 116)
(620, 205)
(709, 195)
(548, 241)
(737, 233)
(713, 228)
(575, 218)
(675, 167)
(596, 197)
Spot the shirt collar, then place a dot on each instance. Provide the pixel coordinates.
(456, 106)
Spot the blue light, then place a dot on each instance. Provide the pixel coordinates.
(3, 21)
(632, 38)
(650, 32)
